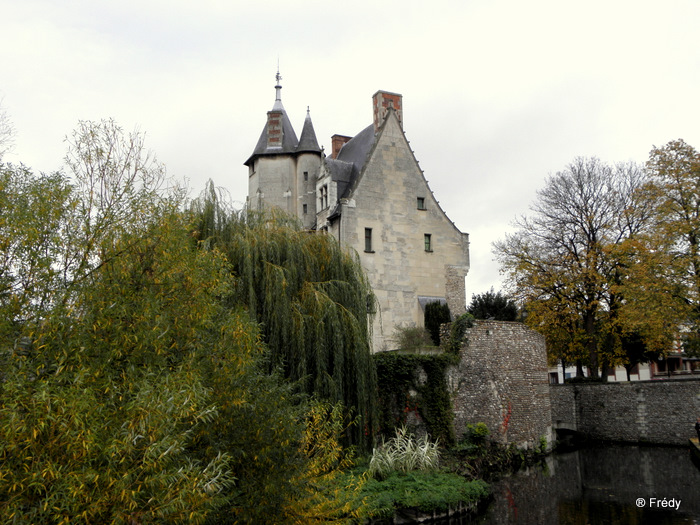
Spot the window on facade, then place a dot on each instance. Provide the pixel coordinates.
(323, 197)
(428, 242)
(368, 240)
(421, 203)
(306, 176)
(305, 208)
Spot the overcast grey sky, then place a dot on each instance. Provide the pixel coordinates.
(497, 94)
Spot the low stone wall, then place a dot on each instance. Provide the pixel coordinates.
(501, 380)
(661, 412)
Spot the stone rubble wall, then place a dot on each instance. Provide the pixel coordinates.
(658, 411)
(501, 380)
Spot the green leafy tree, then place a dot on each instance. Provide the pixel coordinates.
(561, 258)
(492, 305)
(99, 410)
(135, 387)
(311, 299)
(35, 214)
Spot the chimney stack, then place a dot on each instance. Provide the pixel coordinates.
(381, 102)
(274, 129)
(337, 142)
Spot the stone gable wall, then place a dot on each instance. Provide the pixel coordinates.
(501, 380)
(399, 267)
(642, 411)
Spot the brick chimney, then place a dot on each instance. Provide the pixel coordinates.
(381, 102)
(337, 142)
(274, 129)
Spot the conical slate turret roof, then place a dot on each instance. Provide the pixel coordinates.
(289, 137)
(307, 141)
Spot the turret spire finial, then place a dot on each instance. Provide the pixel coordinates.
(278, 88)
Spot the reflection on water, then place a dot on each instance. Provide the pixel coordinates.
(601, 485)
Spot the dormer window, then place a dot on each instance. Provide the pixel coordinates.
(420, 203)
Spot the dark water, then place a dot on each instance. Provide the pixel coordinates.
(601, 485)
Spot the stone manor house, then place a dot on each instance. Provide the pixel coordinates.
(371, 195)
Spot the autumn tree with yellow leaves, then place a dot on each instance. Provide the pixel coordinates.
(561, 262)
(662, 280)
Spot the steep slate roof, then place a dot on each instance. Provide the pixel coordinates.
(289, 138)
(307, 141)
(350, 160)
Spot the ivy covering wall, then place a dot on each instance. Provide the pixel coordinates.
(415, 383)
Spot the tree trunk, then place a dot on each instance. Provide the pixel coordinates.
(604, 369)
(563, 370)
(591, 345)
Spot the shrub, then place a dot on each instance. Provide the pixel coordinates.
(404, 453)
(474, 440)
(412, 338)
(457, 331)
(478, 433)
(425, 491)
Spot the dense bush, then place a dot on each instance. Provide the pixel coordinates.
(494, 306)
(411, 338)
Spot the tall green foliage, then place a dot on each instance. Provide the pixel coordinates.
(493, 305)
(101, 408)
(135, 387)
(33, 229)
(436, 313)
(398, 374)
(310, 297)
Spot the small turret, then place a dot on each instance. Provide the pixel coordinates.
(307, 141)
(282, 170)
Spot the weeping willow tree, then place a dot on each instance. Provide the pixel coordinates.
(310, 297)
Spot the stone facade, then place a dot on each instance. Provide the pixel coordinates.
(372, 196)
(661, 412)
(414, 250)
(501, 380)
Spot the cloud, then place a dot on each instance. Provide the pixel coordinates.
(497, 95)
